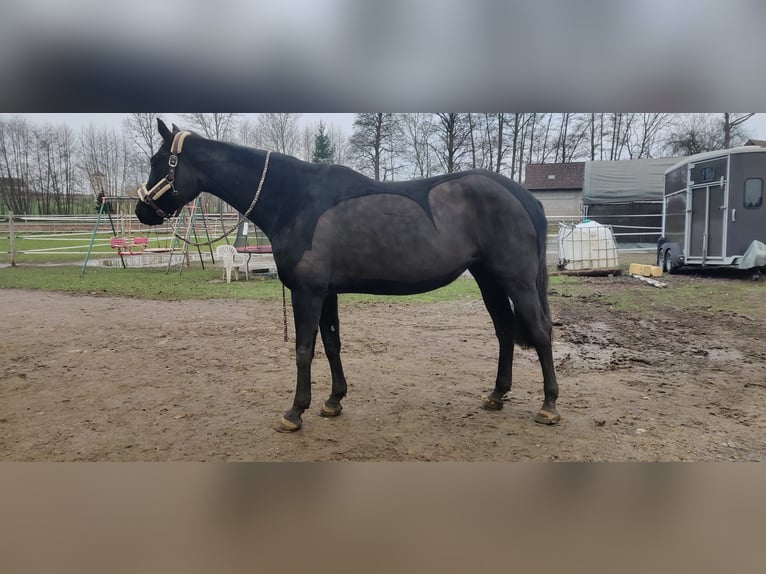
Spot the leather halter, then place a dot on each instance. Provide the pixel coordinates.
(166, 184)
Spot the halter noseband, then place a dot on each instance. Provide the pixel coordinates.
(151, 196)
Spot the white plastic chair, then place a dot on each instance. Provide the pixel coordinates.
(229, 258)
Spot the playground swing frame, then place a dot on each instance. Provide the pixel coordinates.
(125, 247)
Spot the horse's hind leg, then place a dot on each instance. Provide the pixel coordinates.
(501, 313)
(538, 330)
(307, 307)
(329, 327)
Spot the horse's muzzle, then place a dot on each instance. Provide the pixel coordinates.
(147, 215)
(150, 197)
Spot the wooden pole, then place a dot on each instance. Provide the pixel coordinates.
(12, 234)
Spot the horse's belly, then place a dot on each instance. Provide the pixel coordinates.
(400, 268)
(387, 243)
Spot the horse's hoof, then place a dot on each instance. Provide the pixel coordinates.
(330, 411)
(288, 426)
(491, 404)
(547, 417)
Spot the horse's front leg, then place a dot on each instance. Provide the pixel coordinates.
(307, 308)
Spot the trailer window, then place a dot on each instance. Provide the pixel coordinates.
(753, 192)
(707, 174)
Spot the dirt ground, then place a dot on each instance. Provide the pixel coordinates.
(104, 379)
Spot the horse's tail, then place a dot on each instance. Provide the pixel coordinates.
(542, 271)
(542, 285)
(522, 336)
(536, 212)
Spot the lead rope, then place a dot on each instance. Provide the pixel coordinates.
(284, 310)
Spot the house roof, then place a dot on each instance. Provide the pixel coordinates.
(761, 143)
(542, 176)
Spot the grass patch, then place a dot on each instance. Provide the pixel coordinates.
(193, 283)
(686, 293)
(692, 294)
(568, 286)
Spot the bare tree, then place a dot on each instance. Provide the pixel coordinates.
(474, 141)
(693, 133)
(142, 131)
(622, 127)
(731, 123)
(340, 142)
(107, 162)
(221, 127)
(496, 123)
(307, 143)
(61, 163)
(520, 128)
(452, 140)
(37, 167)
(280, 132)
(689, 134)
(545, 140)
(15, 161)
(529, 133)
(249, 135)
(418, 131)
(371, 144)
(40, 174)
(485, 139)
(572, 133)
(646, 132)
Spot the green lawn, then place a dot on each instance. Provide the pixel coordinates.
(712, 291)
(689, 292)
(37, 248)
(193, 283)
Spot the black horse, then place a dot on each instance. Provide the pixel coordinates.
(335, 231)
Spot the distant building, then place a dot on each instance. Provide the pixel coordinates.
(761, 143)
(626, 194)
(558, 186)
(8, 183)
(10, 186)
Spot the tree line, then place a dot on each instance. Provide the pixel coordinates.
(51, 169)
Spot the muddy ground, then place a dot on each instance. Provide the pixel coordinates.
(104, 379)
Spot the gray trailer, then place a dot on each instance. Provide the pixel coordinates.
(713, 211)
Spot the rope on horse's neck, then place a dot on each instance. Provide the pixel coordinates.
(242, 216)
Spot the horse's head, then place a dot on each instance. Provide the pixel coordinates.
(171, 184)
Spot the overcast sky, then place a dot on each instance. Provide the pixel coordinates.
(77, 121)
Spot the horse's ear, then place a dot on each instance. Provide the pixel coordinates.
(176, 129)
(164, 132)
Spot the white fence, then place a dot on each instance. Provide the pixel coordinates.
(74, 231)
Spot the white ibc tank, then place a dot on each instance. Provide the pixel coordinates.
(587, 245)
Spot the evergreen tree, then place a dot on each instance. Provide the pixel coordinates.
(324, 150)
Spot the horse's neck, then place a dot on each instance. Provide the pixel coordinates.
(236, 179)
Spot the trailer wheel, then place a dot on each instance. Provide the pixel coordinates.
(667, 263)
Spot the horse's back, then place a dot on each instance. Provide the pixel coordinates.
(412, 236)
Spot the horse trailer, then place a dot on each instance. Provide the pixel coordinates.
(713, 212)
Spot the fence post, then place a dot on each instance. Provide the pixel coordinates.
(12, 235)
